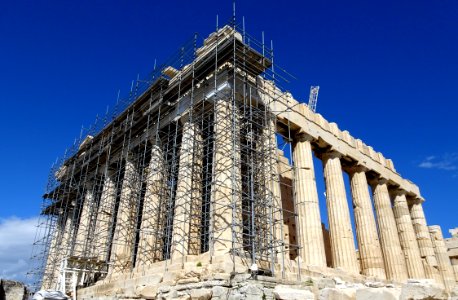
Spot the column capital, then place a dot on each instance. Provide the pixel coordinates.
(302, 136)
(128, 155)
(152, 138)
(398, 192)
(356, 168)
(89, 184)
(378, 181)
(109, 171)
(419, 200)
(184, 118)
(434, 228)
(331, 154)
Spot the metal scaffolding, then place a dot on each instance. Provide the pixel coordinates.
(194, 160)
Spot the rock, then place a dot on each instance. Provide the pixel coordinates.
(147, 292)
(149, 280)
(337, 294)
(221, 276)
(325, 282)
(241, 277)
(188, 280)
(376, 284)
(252, 291)
(235, 296)
(268, 293)
(412, 280)
(338, 281)
(288, 293)
(422, 289)
(189, 286)
(454, 293)
(377, 294)
(201, 294)
(164, 289)
(210, 283)
(174, 295)
(219, 292)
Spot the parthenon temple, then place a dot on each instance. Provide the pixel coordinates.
(206, 174)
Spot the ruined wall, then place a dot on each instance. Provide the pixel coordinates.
(12, 290)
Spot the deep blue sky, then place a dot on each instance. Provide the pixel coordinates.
(388, 72)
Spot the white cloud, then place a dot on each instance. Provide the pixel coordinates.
(16, 238)
(448, 162)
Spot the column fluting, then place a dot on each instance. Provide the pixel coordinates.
(188, 192)
(150, 246)
(311, 240)
(424, 242)
(125, 230)
(395, 265)
(226, 211)
(340, 229)
(407, 236)
(443, 260)
(370, 252)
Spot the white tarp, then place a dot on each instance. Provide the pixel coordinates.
(49, 295)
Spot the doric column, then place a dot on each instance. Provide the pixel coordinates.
(443, 260)
(153, 214)
(341, 233)
(84, 221)
(186, 224)
(226, 230)
(52, 263)
(104, 219)
(407, 236)
(424, 242)
(62, 249)
(268, 162)
(370, 253)
(395, 265)
(124, 235)
(312, 252)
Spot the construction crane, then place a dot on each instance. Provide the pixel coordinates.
(313, 98)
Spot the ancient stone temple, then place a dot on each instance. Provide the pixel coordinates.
(202, 185)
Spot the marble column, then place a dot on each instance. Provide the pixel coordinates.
(153, 214)
(226, 213)
(424, 242)
(84, 221)
(312, 252)
(125, 230)
(407, 236)
(62, 249)
(270, 184)
(443, 260)
(370, 252)
(104, 217)
(52, 262)
(395, 265)
(184, 240)
(341, 234)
